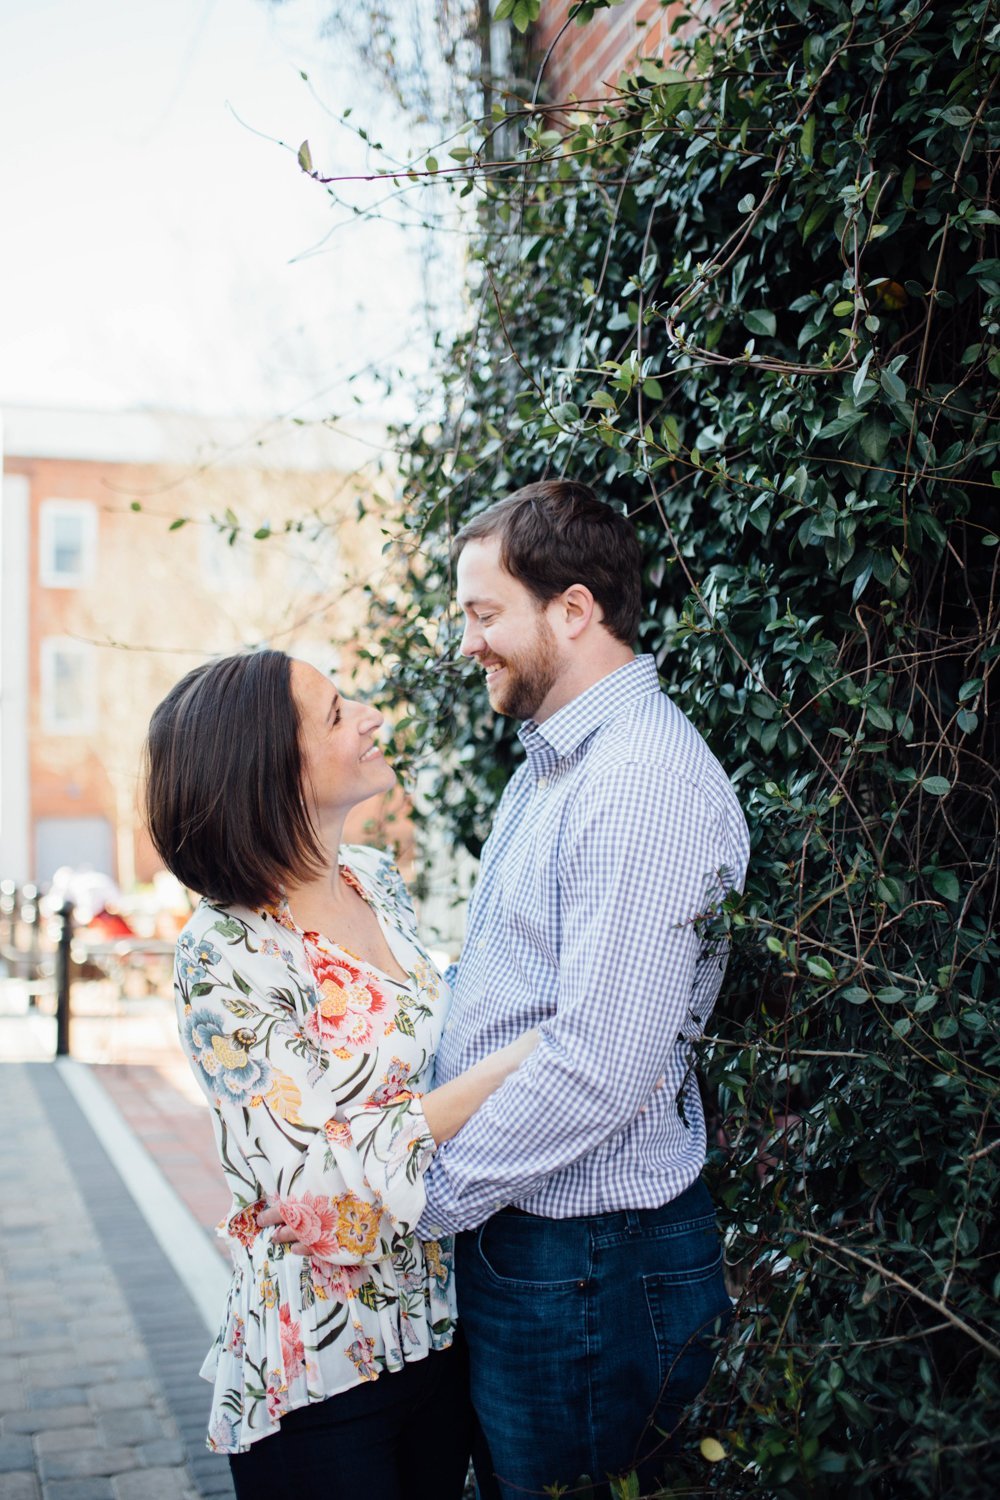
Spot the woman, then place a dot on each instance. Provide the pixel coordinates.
(310, 1014)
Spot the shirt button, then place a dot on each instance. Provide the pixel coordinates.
(481, 943)
(542, 781)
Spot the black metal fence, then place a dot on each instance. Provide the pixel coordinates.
(38, 951)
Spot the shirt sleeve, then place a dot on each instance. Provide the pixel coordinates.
(349, 1178)
(642, 857)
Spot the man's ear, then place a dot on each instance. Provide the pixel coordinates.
(577, 608)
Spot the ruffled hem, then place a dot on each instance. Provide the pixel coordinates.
(297, 1331)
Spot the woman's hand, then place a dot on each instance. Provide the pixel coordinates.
(446, 1109)
(283, 1235)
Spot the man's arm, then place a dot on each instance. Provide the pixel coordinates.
(640, 860)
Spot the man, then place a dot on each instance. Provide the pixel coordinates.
(588, 1263)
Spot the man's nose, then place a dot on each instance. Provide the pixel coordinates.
(472, 640)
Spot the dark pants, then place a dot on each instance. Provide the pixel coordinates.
(587, 1339)
(404, 1436)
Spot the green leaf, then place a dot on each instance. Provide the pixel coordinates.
(891, 891)
(937, 786)
(523, 13)
(816, 216)
(874, 436)
(892, 385)
(820, 968)
(945, 882)
(305, 157)
(758, 320)
(602, 400)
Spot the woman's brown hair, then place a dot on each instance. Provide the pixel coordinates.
(223, 792)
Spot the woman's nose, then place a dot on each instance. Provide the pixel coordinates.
(370, 719)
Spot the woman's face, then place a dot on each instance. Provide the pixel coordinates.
(341, 762)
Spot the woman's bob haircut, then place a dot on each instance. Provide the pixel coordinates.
(224, 796)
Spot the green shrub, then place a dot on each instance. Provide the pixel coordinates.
(757, 302)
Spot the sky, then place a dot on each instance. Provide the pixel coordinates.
(160, 248)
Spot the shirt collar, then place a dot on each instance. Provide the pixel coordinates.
(566, 729)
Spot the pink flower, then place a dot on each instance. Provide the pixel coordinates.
(338, 1132)
(236, 1337)
(314, 1220)
(340, 1282)
(352, 1009)
(243, 1225)
(275, 1397)
(293, 1354)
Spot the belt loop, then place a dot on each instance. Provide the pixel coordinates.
(633, 1220)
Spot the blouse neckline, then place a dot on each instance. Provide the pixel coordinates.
(388, 930)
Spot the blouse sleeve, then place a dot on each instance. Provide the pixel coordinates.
(348, 1179)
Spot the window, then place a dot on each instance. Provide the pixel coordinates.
(69, 686)
(67, 543)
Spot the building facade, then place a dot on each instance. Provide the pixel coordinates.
(583, 62)
(105, 602)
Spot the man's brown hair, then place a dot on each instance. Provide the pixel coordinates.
(224, 793)
(557, 533)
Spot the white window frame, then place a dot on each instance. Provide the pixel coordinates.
(50, 512)
(52, 646)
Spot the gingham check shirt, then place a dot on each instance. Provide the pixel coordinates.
(615, 835)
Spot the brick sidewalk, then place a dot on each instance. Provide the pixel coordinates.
(131, 1050)
(100, 1397)
(176, 1130)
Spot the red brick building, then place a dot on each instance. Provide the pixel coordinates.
(585, 61)
(103, 606)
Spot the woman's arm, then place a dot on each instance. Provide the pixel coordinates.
(377, 1138)
(446, 1109)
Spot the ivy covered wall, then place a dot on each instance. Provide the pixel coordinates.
(756, 303)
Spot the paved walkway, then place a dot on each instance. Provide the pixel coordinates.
(109, 1281)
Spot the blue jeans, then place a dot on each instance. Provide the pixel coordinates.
(587, 1339)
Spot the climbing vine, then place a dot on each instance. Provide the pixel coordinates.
(754, 299)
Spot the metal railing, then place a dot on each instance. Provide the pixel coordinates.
(48, 954)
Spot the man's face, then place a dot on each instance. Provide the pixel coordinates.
(508, 633)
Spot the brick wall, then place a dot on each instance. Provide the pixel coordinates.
(150, 613)
(586, 60)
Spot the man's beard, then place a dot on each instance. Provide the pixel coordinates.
(528, 676)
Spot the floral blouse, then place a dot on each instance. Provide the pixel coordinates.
(312, 1060)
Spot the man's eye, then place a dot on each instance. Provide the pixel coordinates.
(485, 619)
